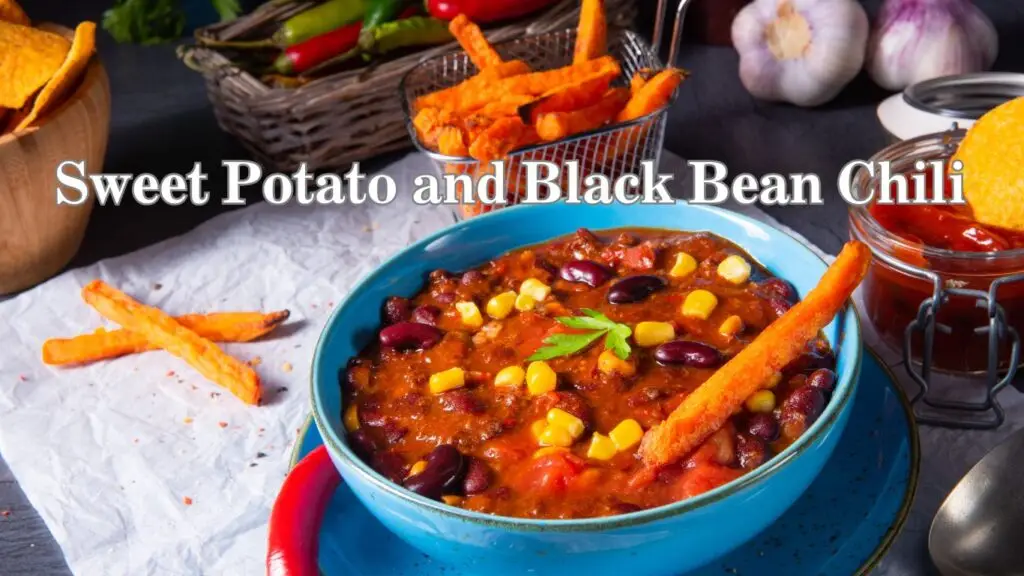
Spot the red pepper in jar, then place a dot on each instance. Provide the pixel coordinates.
(293, 541)
(938, 227)
(484, 11)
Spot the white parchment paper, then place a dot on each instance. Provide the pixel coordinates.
(111, 453)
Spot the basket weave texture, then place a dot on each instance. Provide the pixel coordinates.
(342, 118)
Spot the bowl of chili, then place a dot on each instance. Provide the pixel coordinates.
(515, 492)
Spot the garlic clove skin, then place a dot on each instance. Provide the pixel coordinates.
(800, 51)
(918, 40)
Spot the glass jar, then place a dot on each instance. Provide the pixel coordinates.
(903, 275)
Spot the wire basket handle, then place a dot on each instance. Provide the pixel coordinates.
(677, 30)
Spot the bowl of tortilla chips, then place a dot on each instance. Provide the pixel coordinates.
(54, 107)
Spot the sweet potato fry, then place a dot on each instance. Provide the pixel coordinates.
(510, 105)
(639, 80)
(502, 137)
(558, 125)
(569, 97)
(710, 406)
(450, 97)
(428, 123)
(104, 344)
(653, 96)
(473, 41)
(452, 142)
(536, 83)
(163, 331)
(591, 33)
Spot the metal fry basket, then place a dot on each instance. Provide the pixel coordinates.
(611, 151)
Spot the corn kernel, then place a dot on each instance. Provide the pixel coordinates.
(731, 326)
(451, 500)
(470, 314)
(556, 436)
(776, 378)
(447, 380)
(647, 334)
(762, 401)
(416, 468)
(561, 418)
(734, 269)
(500, 306)
(626, 435)
(510, 376)
(699, 304)
(535, 289)
(684, 266)
(351, 418)
(540, 378)
(525, 303)
(538, 427)
(601, 447)
(548, 450)
(609, 363)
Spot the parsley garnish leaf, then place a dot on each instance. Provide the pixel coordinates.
(598, 324)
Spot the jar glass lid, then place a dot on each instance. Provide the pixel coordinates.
(967, 96)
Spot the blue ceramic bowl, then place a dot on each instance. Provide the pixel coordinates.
(662, 541)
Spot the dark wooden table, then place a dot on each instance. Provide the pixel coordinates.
(162, 123)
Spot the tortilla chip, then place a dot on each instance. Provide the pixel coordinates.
(28, 60)
(11, 12)
(63, 82)
(992, 153)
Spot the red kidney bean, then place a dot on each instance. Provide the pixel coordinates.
(778, 306)
(389, 465)
(764, 426)
(478, 477)
(371, 414)
(410, 336)
(393, 432)
(822, 379)
(751, 450)
(805, 400)
(586, 271)
(574, 404)
(426, 314)
(361, 443)
(439, 275)
(397, 309)
(635, 288)
(462, 401)
(810, 361)
(471, 277)
(444, 298)
(689, 353)
(779, 288)
(625, 507)
(445, 470)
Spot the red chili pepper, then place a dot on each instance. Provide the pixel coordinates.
(293, 542)
(303, 56)
(485, 11)
(938, 227)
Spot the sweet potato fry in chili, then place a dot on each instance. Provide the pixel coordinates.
(558, 125)
(711, 405)
(472, 40)
(592, 32)
(104, 345)
(163, 331)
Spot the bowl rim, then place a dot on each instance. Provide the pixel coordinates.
(92, 74)
(835, 408)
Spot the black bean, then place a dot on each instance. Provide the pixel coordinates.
(426, 314)
(779, 288)
(445, 470)
(478, 477)
(751, 450)
(822, 379)
(397, 309)
(586, 271)
(764, 426)
(689, 353)
(410, 336)
(389, 465)
(635, 288)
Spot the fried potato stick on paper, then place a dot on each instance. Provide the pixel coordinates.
(163, 331)
(711, 405)
(104, 344)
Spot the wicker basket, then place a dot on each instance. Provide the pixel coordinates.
(342, 118)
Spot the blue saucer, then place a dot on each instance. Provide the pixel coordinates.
(843, 524)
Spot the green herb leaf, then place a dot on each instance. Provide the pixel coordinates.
(227, 9)
(558, 345)
(144, 21)
(598, 316)
(582, 323)
(615, 342)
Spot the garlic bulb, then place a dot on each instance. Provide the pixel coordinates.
(917, 40)
(800, 51)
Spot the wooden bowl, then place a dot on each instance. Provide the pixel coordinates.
(38, 237)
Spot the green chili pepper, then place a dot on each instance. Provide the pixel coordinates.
(415, 31)
(320, 19)
(378, 12)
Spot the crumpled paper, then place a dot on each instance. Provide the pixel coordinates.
(110, 453)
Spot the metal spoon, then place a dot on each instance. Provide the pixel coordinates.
(977, 530)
